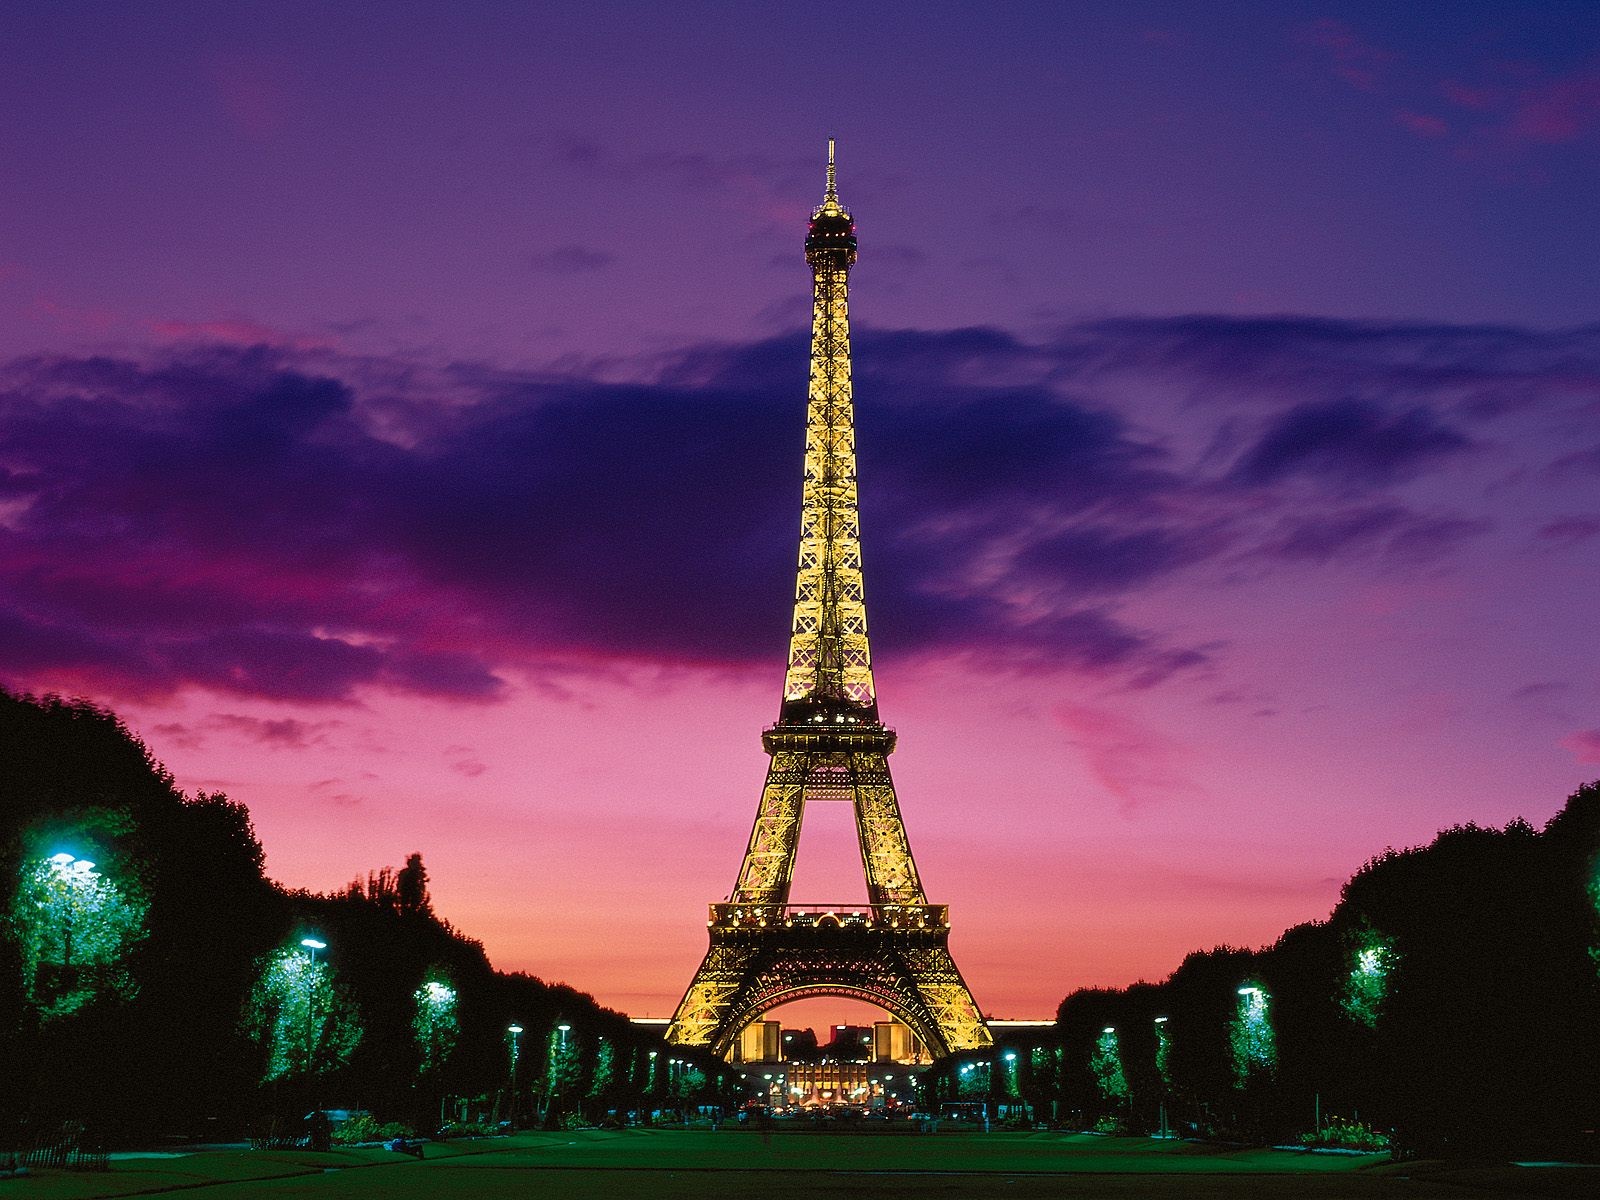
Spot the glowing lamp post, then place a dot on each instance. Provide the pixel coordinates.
(515, 1031)
(555, 1069)
(1254, 1044)
(1161, 1070)
(1013, 1084)
(312, 945)
(70, 875)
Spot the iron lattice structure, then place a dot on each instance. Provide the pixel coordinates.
(828, 744)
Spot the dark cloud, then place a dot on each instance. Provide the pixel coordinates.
(1424, 539)
(1477, 370)
(1098, 558)
(288, 733)
(1570, 530)
(1352, 441)
(1391, 531)
(1541, 689)
(296, 525)
(1585, 461)
(570, 260)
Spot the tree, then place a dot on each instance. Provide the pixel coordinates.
(305, 1022)
(411, 888)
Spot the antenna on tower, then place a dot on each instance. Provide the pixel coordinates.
(833, 189)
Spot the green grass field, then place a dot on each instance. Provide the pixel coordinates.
(746, 1165)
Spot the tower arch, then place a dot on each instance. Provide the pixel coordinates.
(908, 1015)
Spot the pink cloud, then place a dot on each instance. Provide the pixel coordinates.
(1570, 530)
(1527, 109)
(254, 94)
(1475, 99)
(1351, 58)
(1133, 762)
(1561, 110)
(1584, 744)
(276, 733)
(239, 331)
(1422, 124)
(77, 318)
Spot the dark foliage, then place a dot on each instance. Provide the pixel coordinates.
(1477, 1032)
(174, 1056)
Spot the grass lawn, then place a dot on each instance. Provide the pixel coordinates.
(745, 1165)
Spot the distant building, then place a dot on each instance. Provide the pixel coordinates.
(759, 1042)
(850, 1042)
(894, 1042)
(827, 1084)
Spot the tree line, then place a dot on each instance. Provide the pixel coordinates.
(1449, 1005)
(154, 981)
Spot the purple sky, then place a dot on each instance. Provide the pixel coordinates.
(401, 414)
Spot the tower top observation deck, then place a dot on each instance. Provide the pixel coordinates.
(831, 236)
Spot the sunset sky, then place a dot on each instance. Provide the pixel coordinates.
(401, 417)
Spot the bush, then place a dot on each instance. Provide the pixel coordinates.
(1346, 1135)
(364, 1127)
(466, 1129)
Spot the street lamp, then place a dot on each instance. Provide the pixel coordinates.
(312, 945)
(1161, 1070)
(72, 874)
(988, 1082)
(515, 1031)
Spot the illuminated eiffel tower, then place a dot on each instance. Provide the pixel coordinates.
(828, 744)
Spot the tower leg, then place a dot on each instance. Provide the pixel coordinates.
(885, 850)
(769, 860)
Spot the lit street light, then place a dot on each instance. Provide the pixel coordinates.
(1161, 1070)
(516, 1034)
(312, 945)
(70, 874)
(555, 1068)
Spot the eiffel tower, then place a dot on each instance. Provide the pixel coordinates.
(828, 744)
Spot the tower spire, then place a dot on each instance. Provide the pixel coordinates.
(830, 668)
